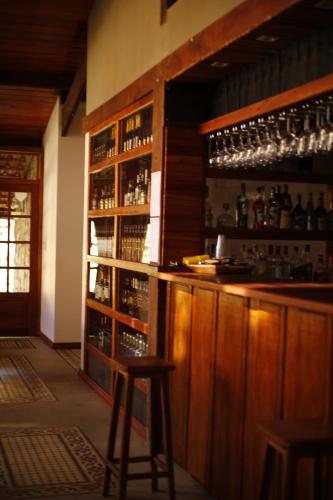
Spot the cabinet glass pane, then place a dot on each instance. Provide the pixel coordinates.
(3, 254)
(136, 129)
(98, 372)
(102, 237)
(135, 238)
(103, 145)
(130, 342)
(18, 166)
(3, 229)
(135, 181)
(19, 280)
(102, 190)
(19, 229)
(20, 203)
(3, 280)
(19, 254)
(100, 283)
(100, 331)
(133, 294)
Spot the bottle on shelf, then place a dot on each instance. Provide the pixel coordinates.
(259, 210)
(321, 214)
(286, 207)
(209, 217)
(242, 208)
(274, 209)
(320, 273)
(330, 217)
(298, 215)
(95, 200)
(286, 267)
(310, 214)
(132, 344)
(225, 219)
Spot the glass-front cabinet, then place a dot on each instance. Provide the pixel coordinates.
(118, 247)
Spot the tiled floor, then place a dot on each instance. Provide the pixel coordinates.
(76, 404)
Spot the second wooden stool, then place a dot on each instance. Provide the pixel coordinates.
(294, 440)
(127, 370)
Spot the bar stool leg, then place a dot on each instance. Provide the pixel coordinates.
(267, 472)
(113, 431)
(317, 483)
(124, 452)
(152, 434)
(288, 480)
(167, 434)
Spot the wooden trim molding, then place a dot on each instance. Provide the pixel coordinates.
(238, 22)
(59, 345)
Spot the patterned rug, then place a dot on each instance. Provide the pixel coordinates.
(48, 462)
(19, 383)
(6, 343)
(71, 356)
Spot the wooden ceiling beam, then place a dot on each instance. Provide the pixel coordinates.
(74, 96)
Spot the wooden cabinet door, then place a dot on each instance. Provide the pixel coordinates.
(307, 380)
(179, 328)
(228, 396)
(263, 386)
(201, 384)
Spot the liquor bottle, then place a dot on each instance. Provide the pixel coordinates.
(286, 207)
(242, 208)
(298, 215)
(320, 273)
(101, 200)
(106, 285)
(209, 217)
(307, 263)
(270, 261)
(295, 260)
(94, 201)
(330, 217)
(98, 290)
(277, 263)
(259, 210)
(285, 263)
(321, 214)
(273, 209)
(310, 214)
(225, 219)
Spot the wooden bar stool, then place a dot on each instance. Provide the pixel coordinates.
(127, 370)
(294, 440)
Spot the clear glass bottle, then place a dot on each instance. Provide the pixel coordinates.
(273, 210)
(259, 210)
(299, 215)
(225, 219)
(286, 207)
(321, 214)
(242, 208)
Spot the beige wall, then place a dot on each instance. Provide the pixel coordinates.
(63, 221)
(126, 39)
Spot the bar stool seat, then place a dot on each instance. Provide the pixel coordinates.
(127, 369)
(294, 440)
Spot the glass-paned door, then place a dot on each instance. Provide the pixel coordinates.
(18, 259)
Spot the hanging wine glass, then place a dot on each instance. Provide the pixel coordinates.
(249, 157)
(325, 144)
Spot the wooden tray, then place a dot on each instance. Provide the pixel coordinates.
(220, 268)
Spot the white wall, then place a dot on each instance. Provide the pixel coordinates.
(62, 230)
(125, 39)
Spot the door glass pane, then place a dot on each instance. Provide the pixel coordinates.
(3, 254)
(20, 203)
(3, 280)
(19, 280)
(19, 255)
(3, 229)
(19, 229)
(3, 202)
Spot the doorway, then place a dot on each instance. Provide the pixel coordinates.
(19, 243)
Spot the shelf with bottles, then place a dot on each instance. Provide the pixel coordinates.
(103, 145)
(100, 283)
(133, 294)
(99, 331)
(245, 210)
(102, 190)
(102, 237)
(134, 238)
(135, 182)
(136, 130)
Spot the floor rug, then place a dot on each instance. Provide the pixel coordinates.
(71, 356)
(6, 343)
(19, 383)
(39, 462)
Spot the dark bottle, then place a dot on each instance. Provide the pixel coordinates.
(330, 217)
(242, 208)
(298, 215)
(286, 206)
(259, 210)
(310, 214)
(321, 214)
(274, 209)
(320, 274)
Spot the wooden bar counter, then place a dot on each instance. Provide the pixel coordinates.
(245, 352)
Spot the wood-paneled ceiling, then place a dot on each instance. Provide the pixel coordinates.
(42, 46)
